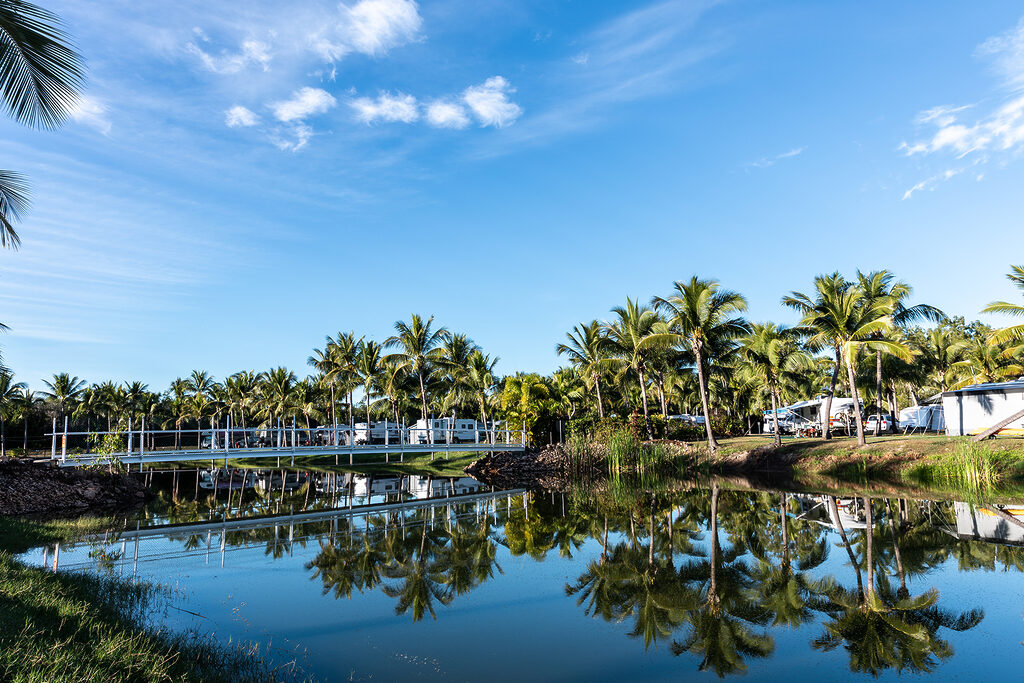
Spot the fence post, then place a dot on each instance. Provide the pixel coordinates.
(129, 434)
(64, 441)
(53, 446)
(142, 442)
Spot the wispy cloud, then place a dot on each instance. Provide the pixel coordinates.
(995, 134)
(370, 27)
(386, 107)
(240, 116)
(303, 103)
(91, 112)
(490, 102)
(765, 162)
(250, 53)
(442, 114)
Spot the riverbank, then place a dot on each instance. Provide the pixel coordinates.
(42, 489)
(85, 627)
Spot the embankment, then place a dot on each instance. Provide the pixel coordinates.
(41, 489)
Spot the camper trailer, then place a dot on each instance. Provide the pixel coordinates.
(376, 432)
(443, 430)
(923, 419)
(974, 409)
(807, 415)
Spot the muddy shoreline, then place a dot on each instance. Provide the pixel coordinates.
(41, 489)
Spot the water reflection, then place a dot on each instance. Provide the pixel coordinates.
(717, 577)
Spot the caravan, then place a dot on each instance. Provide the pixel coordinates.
(444, 430)
(928, 418)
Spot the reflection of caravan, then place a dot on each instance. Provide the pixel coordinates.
(271, 481)
(817, 509)
(998, 523)
(222, 479)
(441, 430)
(432, 487)
(365, 485)
(923, 419)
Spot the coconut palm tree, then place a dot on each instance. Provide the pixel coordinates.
(632, 338)
(200, 382)
(702, 315)
(277, 394)
(42, 78)
(418, 344)
(983, 359)
(481, 380)
(587, 349)
(25, 403)
(1014, 333)
(369, 365)
(771, 356)
(179, 393)
(882, 285)
(64, 390)
(938, 354)
(10, 391)
(345, 350)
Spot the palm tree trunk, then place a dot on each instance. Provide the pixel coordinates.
(902, 593)
(600, 403)
(869, 531)
(878, 392)
(785, 531)
(643, 395)
(855, 395)
(775, 418)
(713, 557)
(423, 396)
(24, 444)
(826, 425)
(846, 542)
(703, 387)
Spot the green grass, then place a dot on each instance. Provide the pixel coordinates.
(84, 627)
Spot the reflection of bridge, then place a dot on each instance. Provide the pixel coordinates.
(139, 446)
(284, 526)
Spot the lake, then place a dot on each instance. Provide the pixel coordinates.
(395, 578)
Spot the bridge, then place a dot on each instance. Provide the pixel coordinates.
(393, 441)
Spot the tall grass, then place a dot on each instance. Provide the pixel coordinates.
(970, 468)
(626, 453)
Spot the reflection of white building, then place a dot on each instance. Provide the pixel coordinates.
(365, 485)
(433, 487)
(985, 524)
(817, 509)
(974, 409)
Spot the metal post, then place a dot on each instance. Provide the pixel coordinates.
(53, 446)
(64, 441)
(142, 442)
(129, 434)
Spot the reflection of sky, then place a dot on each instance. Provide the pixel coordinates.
(520, 625)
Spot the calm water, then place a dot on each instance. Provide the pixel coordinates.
(450, 579)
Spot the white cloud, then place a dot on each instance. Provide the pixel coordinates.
(91, 112)
(930, 183)
(293, 138)
(370, 27)
(490, 104)
(582, 58)
(441, 114)
(387, 107)
(240, 116)
(1007, 53)
(765, 162)
(304, 102)
(251, 52)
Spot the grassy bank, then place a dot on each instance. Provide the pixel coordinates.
(82, 627)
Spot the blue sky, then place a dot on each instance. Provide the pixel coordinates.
(243, 179)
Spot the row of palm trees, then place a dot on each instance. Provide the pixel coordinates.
(422, 369)
(694, 349)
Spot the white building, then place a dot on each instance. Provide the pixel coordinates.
(974, 409)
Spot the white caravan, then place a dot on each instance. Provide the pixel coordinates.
(930, 418)
(442, 430)
(376, 432)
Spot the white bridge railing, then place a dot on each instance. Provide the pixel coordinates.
(221, 443)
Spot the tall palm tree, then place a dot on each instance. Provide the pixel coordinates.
(179, 393)
(481, 379)
(631, 340)
(938, 354)
(982, 359)
(1014, 333)
(64, 390)
(42, 77)
(882, 285)
(345, 349)
(329, 364)
(418, 344)
(10, 391)
(369, 364)
(278, 396)
(771, 356)
(200, 382)
(25, 404)
(702, 314)
(587, 349)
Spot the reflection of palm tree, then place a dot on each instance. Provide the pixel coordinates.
(420, 576)
(336, 567)
(718, 626)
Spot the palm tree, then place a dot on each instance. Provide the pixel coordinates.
(179, 393)
(10, 391)
(331, 367)
(278, 396)
(587, 350)
(481, 380)
(841, 317)
(369, 365)
(771, 357)
(1013, 333)
(882, 285)
(982, 359)
(454, 362)
(631, 339)
(25, 404)
(702, 314)
(200, 382)
(42, 78)
(418, 350)
(345, 349)
(64, 390)
(938, 354)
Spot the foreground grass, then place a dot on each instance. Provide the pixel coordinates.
(82, 627)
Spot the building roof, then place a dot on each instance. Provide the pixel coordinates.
(986, 387)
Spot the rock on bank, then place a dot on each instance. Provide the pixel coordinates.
(39, 489)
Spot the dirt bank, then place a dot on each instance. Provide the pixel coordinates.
(42, 489)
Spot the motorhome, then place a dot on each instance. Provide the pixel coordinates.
(376, 433)
(442, 430)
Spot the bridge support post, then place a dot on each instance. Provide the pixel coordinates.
(53, 446)
(64, 442)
